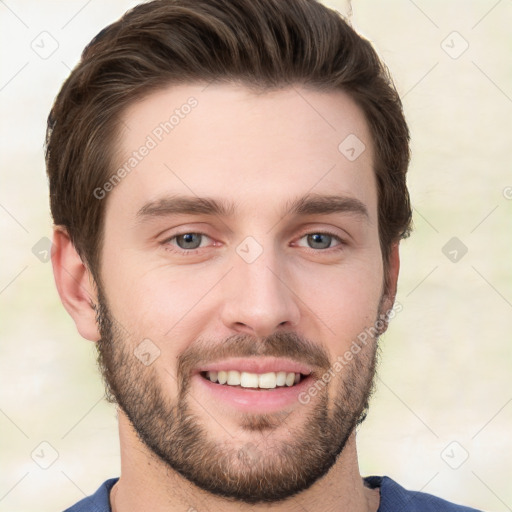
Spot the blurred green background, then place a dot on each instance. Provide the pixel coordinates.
(440, 420)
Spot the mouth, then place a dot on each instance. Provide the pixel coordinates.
(249, 380)
(255, 385)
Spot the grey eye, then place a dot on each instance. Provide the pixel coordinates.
(188, 240)
(319, 240)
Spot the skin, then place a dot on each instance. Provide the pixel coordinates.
(259, 151)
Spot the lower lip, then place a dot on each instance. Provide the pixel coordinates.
(255, 400)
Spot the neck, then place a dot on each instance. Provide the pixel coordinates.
(146, 483)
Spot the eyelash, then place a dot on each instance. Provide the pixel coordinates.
(190, 252)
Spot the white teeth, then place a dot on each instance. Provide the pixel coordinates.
(233, 378)
(268, 380)
(281, 378)
(290, 379)
(248, 380)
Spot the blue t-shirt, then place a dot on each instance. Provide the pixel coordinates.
(393, 498)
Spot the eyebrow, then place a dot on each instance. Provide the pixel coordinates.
(310, 204)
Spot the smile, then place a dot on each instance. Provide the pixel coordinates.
(268, 380)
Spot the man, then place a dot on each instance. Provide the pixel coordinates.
(228, 186)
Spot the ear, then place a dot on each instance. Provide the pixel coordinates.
(392, 271)
(75, 284)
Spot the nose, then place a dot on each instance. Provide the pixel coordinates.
(259, 299)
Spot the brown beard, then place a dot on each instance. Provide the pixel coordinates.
(256, 472)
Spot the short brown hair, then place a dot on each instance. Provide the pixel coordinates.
(263, 44)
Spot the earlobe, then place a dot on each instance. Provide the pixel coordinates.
(75, 284)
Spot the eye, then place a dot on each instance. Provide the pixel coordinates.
(189, 240)
(321, 240)
(185, 243)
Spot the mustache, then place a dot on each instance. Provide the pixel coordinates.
(279, 344)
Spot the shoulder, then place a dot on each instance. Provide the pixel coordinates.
(97, 502)
(395, 498)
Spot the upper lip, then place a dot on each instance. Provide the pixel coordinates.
(257, 365)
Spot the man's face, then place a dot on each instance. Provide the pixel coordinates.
(267, 286)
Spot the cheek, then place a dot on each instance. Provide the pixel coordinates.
(168, 308)
(347, 301)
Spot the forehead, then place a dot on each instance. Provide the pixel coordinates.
(255, 149)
